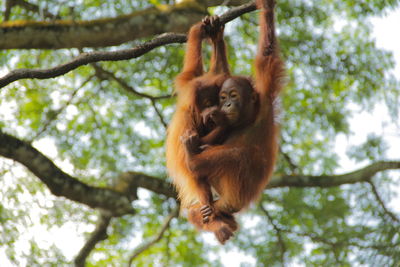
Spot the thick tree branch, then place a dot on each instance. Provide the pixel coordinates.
(155, 239)
(60, 183)
(362, 175)
(99, 234)
(102, 32)
(156, 185)
(125, 54)
(162, 186)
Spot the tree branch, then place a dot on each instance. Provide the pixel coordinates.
(211, 3)
(102, 32)
(382, 203)
(125, 54)
(59, 182)
(156, 185)
(235, 12)
(110, 75)
(96, 56)
(8, 6)
(99, 234)
(102, 73)
(321, 239)
(62, 184)
(162, 186)
(293, 167)
(159, 114)
(156, 238)
(55, 113)
(28, 6)
(278, 231)
(362, 175)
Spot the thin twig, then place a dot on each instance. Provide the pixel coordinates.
(293, 167)
(125, 85)
(278, 231)
(57, 112)
(380, 201)
(317, 238)
(158, 112)
(156, 238)
(102, 72)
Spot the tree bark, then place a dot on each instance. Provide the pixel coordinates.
(99, 234)
(59, 182)
(104, 32)
(362, 175)
(118, 201)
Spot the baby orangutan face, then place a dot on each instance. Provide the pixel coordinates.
(237, 100)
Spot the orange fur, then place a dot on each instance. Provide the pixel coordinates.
(186, 117)
(241, 167)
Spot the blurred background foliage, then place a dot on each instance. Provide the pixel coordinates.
(95, 129)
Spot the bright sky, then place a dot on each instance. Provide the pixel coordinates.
(386, 33)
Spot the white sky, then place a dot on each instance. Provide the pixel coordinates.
(386, 31)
